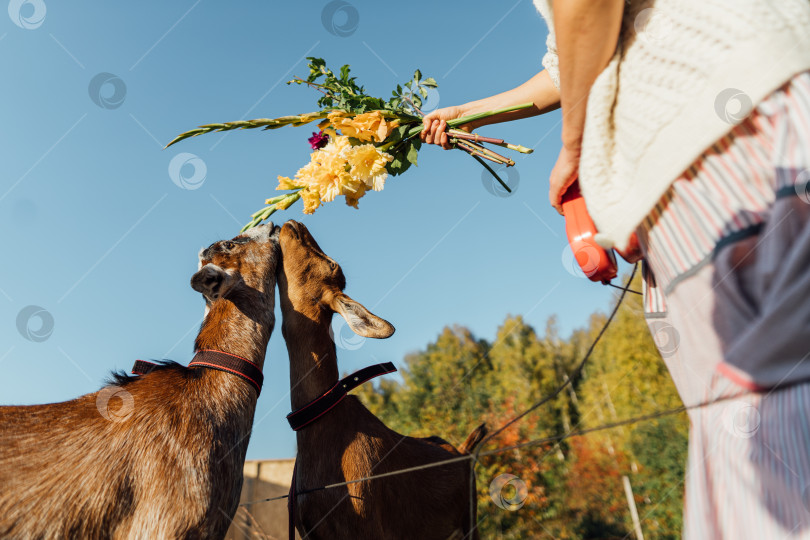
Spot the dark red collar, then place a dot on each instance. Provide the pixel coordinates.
(222, 361)
(321, 405)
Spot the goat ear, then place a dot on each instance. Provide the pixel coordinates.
(212, 281)
(360, 320)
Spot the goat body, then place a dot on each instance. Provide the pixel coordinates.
(166, 464)
(157, 456)
(349, 442)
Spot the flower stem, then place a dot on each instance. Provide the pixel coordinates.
(477, 151)
(493, 173)
(470, 118)
(487, 153)
(458, 134)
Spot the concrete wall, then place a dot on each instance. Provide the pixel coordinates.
(265, 520)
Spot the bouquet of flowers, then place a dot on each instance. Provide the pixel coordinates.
(362, 139)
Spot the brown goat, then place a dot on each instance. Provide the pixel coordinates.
(349, 442)
(165, 462)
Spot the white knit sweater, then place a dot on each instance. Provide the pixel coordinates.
(684, 72)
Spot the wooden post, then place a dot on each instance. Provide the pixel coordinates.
(628, 489)
(253, 482)
(631, 502)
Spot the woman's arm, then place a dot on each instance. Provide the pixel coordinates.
(587, 32)
(538, 90)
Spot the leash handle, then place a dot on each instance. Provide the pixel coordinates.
(595, 261)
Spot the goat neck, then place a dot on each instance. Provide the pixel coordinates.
(239, 324)
(313, 359)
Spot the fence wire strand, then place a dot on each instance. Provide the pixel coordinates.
(480, 452)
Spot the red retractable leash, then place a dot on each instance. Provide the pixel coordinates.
(595, 261)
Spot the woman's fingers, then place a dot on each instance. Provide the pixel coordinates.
(435, 132)
(440, 136)
(563, 174)
(427, 122)
(435, 126)
(430, 130)
(445, 142)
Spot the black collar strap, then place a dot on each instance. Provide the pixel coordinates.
(222, 361)
(142, 367)
(321, 405)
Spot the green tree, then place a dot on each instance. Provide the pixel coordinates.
(626, 377)
(443, 390)
(660, 447)
(574, 487)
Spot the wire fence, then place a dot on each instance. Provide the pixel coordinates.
(479, 451)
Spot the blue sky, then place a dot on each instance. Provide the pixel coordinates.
(100, 238)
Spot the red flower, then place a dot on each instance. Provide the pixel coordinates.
(318, 140)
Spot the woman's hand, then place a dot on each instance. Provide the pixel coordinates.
(435, 123)
(539, 90)
(587, 34)
(563, 174)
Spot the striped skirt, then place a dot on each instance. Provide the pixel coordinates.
(727, 299)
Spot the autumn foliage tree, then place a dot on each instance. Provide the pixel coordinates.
(574, 486)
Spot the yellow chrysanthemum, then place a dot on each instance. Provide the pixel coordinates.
(367, 127)
(286, 183)
(339, 169)
(368, 165)
(352, 201)
(311, 201)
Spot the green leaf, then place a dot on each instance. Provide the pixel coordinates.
(400, 163)
(401, 167)
(430, 82)
(412, 153)
(396, 135)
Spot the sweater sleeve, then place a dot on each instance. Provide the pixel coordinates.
(550, 60)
